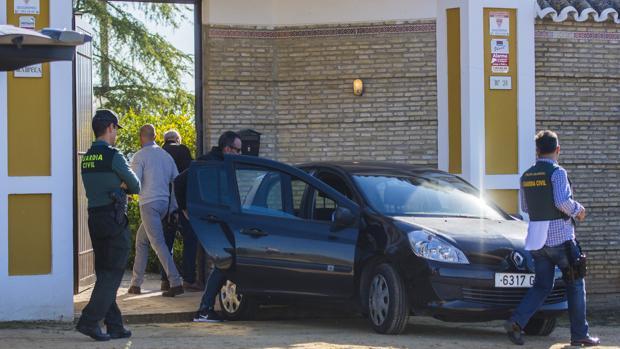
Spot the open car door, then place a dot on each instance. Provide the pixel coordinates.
(209, 207)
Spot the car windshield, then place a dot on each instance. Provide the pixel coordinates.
(435, 195)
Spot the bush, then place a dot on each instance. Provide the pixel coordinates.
(128, 142)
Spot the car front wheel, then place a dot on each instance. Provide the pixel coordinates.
(540, 326)
(388, 309)
(234, 305)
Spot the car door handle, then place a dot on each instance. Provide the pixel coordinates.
(253, 232)
(211, 219)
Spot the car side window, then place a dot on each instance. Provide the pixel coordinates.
(213, 185)
(322, 206)
(298, 188)
(261, 191)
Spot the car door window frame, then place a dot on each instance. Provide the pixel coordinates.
(291, 172)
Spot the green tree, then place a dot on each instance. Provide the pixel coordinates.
(137, 69)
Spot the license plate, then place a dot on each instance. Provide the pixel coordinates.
(507, 280)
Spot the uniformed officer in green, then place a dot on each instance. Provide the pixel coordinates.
(107, 180)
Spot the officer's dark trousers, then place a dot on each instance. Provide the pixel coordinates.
(111, 243)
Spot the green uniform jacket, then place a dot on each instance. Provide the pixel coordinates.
(104, 168)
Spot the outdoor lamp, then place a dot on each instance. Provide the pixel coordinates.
(358, 87)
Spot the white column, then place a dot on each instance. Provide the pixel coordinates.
(473, 86)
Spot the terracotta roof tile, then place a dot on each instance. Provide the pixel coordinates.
(580, 10)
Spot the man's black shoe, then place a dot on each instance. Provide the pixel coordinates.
(586, 342)
(119, 334)
(134, 290)
(173, 291)
(93, 332)
(207, 316)
(513, 330)
(165, 285)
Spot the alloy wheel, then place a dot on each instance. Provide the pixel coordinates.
(229, 298)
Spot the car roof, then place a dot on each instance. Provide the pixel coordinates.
(371, 167)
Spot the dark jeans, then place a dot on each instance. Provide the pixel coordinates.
(189, 249)
(111, 244)
(545, 261)
(214, 284)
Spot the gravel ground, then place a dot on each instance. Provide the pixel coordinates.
(321, 333)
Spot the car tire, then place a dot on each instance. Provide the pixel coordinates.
(235, 306)
(540, 326)
(387, 303)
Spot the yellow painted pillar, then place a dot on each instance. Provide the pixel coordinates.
(486, 106)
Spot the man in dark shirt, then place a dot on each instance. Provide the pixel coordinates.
(228, 143)
(182, 158)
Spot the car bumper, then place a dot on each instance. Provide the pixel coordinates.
(468, 293)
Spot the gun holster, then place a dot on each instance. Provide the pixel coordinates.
(119, 198)
(577, 262)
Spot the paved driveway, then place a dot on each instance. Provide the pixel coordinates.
(323, 333)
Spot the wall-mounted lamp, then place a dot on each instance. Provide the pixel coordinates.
(358, 87)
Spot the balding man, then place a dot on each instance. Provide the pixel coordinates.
(156, 170)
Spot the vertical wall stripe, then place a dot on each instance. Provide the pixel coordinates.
(507, 199)
(501, 118)
(454, 89)
(30, 234)
(29, 147)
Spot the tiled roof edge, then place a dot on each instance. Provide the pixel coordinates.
(585, 10)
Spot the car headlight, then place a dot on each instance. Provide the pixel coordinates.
(429, 246)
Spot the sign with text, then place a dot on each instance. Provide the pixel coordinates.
(499, 23)
(32, 71)
(501, 83)
(27, 22)
(27, 7)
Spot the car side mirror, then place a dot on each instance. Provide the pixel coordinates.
(342, 218)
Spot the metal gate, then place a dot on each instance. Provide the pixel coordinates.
(84, 262)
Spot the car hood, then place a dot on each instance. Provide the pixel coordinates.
(483, 241)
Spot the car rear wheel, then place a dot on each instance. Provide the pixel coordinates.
(234, 305)
(540, 326)
(388, 310)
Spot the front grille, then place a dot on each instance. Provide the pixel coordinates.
(508, 296)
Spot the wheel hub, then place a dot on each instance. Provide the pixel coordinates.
(379, 300)
(229, 297)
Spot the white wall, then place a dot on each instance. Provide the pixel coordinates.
(43, 297)
(273, 13)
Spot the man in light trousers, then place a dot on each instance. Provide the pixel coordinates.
(156, 170)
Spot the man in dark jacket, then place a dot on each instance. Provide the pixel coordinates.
(182, 158)
(228, 143)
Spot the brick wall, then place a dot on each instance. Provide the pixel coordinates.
(294, 85)
(296, 89)
(578, 95)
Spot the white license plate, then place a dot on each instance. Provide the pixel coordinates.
(507, 280)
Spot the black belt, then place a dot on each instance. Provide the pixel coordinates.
(106, 208)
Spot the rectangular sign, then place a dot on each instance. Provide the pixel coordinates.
(499, 23)
(501, 83)
(514, 280)
(32, 71)
(27, 22)
(500, 63)
(27, 7)
(500, 46)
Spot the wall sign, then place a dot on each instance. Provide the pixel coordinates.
(501, 83)
(27, 7)
(499, 23)
(32, 71)
(27, 22)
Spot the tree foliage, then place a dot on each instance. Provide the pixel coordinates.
(137, 69)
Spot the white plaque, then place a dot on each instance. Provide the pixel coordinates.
(32, 71)
(501, 83)
(500, 46)
(27, 22)
(499, 23)
(27, 7)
